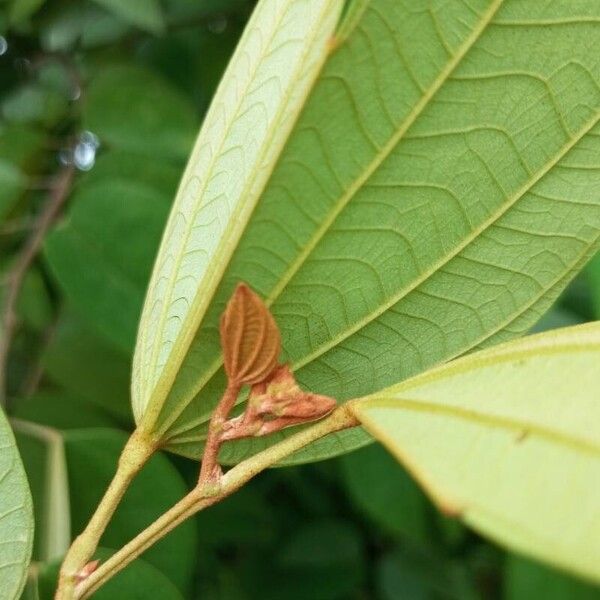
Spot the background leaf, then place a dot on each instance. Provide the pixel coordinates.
(418, 210)
(16, 516)
(419, 575)
(508, 440)
(88, 369)
(387, 494)
(102, 279)
(146, 116)
(526, 579)
(317, 566)
(146, 14)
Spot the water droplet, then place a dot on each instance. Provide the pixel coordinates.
(3, 45)
(89, 137)
(84, 154)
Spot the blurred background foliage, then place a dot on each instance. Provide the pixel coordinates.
(100, 101)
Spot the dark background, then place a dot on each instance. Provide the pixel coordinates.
(100, 102)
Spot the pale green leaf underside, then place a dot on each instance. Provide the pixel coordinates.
(439, 190)
(255, 107)
(16, 517)
(509, 439)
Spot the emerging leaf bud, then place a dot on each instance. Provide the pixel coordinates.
(86, 571)
(249, 337)
(280, 398)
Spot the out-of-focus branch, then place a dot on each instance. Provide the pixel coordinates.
(16, 275)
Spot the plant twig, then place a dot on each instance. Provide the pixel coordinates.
(16, 275)
(204, 495)
(136, 453)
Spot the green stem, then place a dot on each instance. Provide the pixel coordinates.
(135, 454)
(205, 495)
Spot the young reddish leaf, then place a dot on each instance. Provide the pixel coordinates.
(249, 337)
(276, 403)
(281, 396)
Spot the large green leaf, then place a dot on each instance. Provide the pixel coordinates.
(439, 190)
(146, 14)
(135, 110)
(16, 517)
(91, 371)
(386, 494)
(12, 183)
(322, 559)
(509, 440)
(103, 278)
(254, 108)
(525, 580)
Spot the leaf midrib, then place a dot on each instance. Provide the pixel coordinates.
(494, 422)
(387, 149)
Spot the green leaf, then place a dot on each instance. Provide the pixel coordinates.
(557, 317)
(320, 560)
(61, 410)
(593, 277)
(91, 458)
(82, 24)
(43, 452)
(145, 14)
(420, 575)
(386, 493)
(162, 177)
(12, 184)
(135, 110)
(525, 580)
(20, 144)
(353, 13)
(21, 10)
(88, 369)
(16, 516)
(103, 253)
(252, 112)
(34, 303)
(507, 439)
(33, 103)
(437, 193)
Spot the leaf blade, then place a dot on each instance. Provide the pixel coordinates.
(418, 210)
(507, 439)
(297, 34)
(16, 516)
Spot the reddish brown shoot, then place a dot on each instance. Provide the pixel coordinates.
(251, 346)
